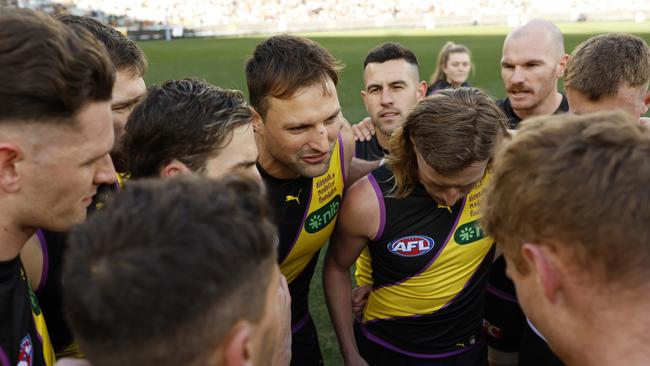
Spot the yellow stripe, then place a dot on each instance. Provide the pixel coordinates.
(442, 281)
(308, 244)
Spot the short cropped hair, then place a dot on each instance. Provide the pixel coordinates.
(451, 129)
(49, 71)
(188, 120)
(599, 66)
(579, 185)
(282, 65)
(162, 274)
(390, 51)
(125, 53)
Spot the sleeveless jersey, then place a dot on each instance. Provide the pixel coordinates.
(305, 211)
(369, 150)
(24, 339)
(429, 267)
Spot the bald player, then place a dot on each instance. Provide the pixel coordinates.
(532, 62)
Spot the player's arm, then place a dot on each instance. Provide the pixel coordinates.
(357, 223)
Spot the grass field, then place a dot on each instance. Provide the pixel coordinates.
(221, 62)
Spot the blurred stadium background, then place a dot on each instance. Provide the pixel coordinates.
(211, 39)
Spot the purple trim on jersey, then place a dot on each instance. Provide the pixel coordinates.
(501, 294)
(300, 323)
(414, 316)
(302, 223)
(341, 157)
(532, 327)
(46, 261)
(4, 360)
(381, 342)
(451, 233)
(382, 206)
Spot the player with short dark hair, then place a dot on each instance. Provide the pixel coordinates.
(305, 148)
(190, 125)
(418, 218)
(55, 137)
(391, 89)
(176, 272)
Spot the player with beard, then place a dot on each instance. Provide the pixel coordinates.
(392, 87)
(305, 149)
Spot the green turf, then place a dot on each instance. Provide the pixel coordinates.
(221, 61)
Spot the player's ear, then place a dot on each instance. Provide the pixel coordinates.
(256, 119)
(173, 168)
(10, 155)
(561, 67)
(544, 267)
(238, 347)
(646, 102)
(422, 90)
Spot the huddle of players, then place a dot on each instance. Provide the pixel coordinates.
(145, 276)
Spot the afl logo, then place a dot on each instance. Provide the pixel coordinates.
(411, 246)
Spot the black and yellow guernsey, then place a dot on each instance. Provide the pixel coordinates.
(428, 265)
(305, 211)
(24, 339)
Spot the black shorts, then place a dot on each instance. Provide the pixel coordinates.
(535, 351)
(504, 322)
(377, 355)
(305, 350)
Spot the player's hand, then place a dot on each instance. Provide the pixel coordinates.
(360, 298)
(355, 360)
(282, 350)
(364, 130)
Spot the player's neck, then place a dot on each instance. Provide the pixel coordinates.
(12, 238)
(618, 335)
(547, 107)
(383, 140)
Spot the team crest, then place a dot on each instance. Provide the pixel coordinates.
(411, 246)
(26, 352)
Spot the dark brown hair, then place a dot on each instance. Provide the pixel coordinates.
(49, 71)
(125, 53)
(282, 65)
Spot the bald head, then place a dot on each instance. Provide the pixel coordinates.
(539, 30)
(533, 60)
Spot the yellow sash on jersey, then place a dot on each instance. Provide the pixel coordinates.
(41, 327)
(318, 224)
(446, 277)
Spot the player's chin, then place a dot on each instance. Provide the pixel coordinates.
(313, 170)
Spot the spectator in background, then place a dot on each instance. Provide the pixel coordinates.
(452, 68)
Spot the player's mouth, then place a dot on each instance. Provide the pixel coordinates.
(314, 158)
(389, 115)
(87, 200)
(519, 93)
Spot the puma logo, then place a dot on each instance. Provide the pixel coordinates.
(443, 206)
(290, 198)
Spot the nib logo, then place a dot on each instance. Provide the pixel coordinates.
(320, 218)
